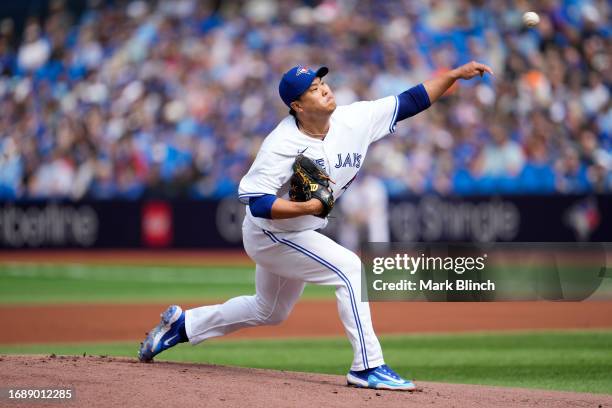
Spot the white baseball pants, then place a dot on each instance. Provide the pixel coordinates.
(285, 261)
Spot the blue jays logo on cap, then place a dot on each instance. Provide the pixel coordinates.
(302, 70)
(297, 80)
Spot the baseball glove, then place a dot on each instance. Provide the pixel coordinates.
(311, 181)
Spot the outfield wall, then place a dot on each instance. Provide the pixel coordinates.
(217, 224)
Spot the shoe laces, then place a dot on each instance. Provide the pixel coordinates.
(387, 370)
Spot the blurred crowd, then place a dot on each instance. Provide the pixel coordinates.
(172, 98)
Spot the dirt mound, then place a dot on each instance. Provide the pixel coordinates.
(100, 381)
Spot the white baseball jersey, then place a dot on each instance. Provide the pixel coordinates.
(289, 253)
(341, 154)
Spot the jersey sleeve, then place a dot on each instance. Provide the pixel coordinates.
(378, 116)
(266, 176)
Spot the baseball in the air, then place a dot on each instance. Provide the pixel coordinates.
(531, 19)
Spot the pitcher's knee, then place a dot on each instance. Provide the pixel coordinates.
(351, 267)
(276, 317)
(272, 317)
(273, 321)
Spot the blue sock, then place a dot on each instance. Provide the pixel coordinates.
(181, 331)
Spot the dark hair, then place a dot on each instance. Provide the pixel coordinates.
(292, 113)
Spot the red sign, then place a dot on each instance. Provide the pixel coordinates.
(157, 229)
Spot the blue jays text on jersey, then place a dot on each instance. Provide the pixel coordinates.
(349, 160)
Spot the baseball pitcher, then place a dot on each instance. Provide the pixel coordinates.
(303, 166)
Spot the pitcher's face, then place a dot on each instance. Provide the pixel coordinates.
(318, 98)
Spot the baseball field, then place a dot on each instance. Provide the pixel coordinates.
(74, 320)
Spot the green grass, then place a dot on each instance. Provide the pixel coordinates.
(38, 283)
(568, 360)
(80, 283)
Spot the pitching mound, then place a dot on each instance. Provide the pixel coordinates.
(120, 382)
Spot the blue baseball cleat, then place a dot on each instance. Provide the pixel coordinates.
(381, 377)
(165, 335)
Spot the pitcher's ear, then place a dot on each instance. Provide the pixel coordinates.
(296, 106)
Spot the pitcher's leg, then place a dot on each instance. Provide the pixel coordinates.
(318, 259)
(364, 331)
(275, 297)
